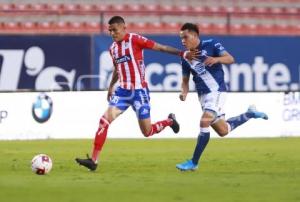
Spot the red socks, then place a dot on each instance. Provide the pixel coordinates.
(101, 134)
(100, 137)
(159, 126)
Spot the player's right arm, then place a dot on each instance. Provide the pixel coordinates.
(113, 81)
(168, 49)
(184, 87)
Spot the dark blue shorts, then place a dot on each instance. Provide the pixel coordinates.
(138, 99)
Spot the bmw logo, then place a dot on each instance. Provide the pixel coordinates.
(42, 108)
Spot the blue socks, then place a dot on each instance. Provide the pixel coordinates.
(239, 120)
(204, 135)
(202, 141)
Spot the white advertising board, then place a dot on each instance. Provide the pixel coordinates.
(76, 115)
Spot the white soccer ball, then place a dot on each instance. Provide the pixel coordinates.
(41, 164)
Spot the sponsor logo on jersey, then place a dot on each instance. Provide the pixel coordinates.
(199, 68)
(123, 59)
(126, 46)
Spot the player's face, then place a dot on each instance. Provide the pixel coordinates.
(117, 31)
(189, 40)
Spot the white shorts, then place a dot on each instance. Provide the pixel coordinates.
(214, 101)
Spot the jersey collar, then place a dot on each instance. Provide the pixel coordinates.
(126, 37)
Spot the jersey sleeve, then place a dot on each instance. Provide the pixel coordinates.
(185, 68)
(218, 48)
(143, 42)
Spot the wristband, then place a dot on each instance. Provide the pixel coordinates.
(181, 53)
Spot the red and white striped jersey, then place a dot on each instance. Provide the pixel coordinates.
(128, 58)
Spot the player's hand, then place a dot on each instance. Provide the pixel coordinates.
(109, 94)
(182, 96)
(209, 61)
(191, 54)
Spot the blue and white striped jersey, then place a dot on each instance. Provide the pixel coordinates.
(207, 79)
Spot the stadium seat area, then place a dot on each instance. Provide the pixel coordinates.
(261, 17)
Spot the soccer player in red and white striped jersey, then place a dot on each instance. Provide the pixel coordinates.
(129, 60)
(129, 69)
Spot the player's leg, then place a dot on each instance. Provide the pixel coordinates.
(109, 116)
(209, 103)
(202, 141)
(149, 129)
(204, 136)
(100, 137)
(223, 127)
(211, 108)
(236, 121)
(219, 124)
(141, 105)
(117, 105)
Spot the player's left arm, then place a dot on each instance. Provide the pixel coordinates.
(143, 42)
(225, 58)
(168, 49)
(220, 55)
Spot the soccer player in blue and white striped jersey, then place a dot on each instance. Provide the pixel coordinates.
(208, 76)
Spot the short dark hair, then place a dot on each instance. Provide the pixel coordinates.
(191, 27)
(116, 19)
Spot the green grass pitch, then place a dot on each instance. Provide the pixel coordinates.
(144, 171)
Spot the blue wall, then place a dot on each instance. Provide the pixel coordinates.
(262, 63)
(44, 62)
(83, 63)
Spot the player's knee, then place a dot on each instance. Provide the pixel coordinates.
(147, 133)
(104, 122)
(207, 118)
(205, 123)
(112, 113)
(222, 132)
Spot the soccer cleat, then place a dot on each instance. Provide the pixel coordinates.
(187, 166)
(256, 114)
(88, 163)
(175, 125)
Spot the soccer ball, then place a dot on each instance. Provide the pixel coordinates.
(42, 108)
(41, 164)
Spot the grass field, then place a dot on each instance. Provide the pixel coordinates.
(144, 170)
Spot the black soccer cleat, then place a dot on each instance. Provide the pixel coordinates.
(88, 163)
(175, 125)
